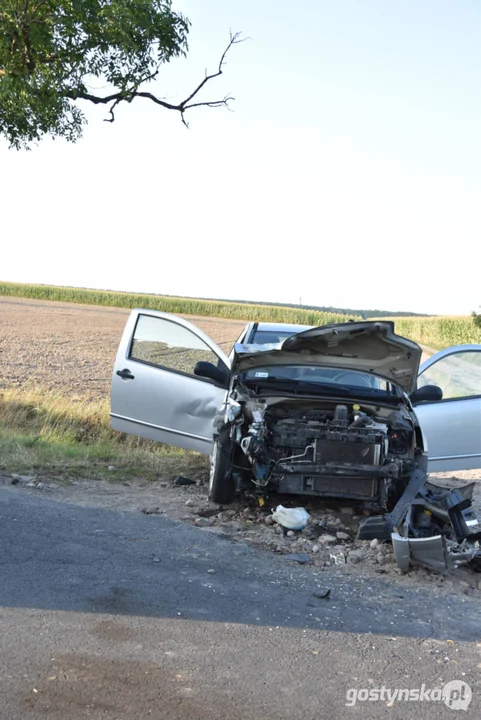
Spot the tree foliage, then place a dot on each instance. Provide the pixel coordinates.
(53, 53)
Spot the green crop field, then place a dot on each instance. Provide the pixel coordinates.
(435, 332)
(176, 305)
(439, 332)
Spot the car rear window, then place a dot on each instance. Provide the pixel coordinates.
(264, 337)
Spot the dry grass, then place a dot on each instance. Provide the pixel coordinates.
(43, 432)
(53, 415)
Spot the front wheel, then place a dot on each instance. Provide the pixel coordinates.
(221, 481)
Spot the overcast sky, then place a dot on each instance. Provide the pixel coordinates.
(347, 175)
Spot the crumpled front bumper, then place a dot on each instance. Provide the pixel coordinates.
(430, 525)
(435, 552)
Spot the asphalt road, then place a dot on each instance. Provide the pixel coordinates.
(107, 614)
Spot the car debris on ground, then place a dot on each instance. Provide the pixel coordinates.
(181, 480)
(439, 530)
(291, 518)
(431, 526)
(301, 558)
(249, 521)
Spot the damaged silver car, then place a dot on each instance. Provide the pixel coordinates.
(324, 414)
(327, 412)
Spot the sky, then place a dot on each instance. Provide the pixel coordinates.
(346, 175)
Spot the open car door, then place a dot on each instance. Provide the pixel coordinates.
(155, 393)
(452, 426)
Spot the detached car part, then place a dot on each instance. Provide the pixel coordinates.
(440, 530)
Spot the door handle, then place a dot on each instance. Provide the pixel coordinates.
(125, 374)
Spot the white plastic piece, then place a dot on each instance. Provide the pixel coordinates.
(291, 518)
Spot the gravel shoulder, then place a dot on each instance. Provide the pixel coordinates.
(328, 545)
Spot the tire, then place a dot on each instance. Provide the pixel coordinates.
(221, 481)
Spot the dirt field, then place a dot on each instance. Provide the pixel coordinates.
(71, 348)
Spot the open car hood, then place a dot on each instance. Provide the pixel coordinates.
(370, 347)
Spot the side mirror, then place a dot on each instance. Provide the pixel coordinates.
(428, 393)
(220, 375)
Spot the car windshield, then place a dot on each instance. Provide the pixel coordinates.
(317, 374)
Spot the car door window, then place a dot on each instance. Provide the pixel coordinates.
(165, 344)
(458, 375)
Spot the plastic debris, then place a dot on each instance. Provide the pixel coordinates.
(181, 480)
(291, 518)
(338, 559)
(203, 522)
(301, 558)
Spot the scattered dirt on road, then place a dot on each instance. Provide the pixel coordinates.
(88, 686)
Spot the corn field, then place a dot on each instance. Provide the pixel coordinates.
(176, 305)
(440, 332)
(435, 332)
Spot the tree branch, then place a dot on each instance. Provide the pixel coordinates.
(128, 95)
(111, 119)
(235, 39)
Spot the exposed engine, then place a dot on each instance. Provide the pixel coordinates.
(339, 450)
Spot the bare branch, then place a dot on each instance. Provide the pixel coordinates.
(235, 39)
(212, 103)
(182, 107)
